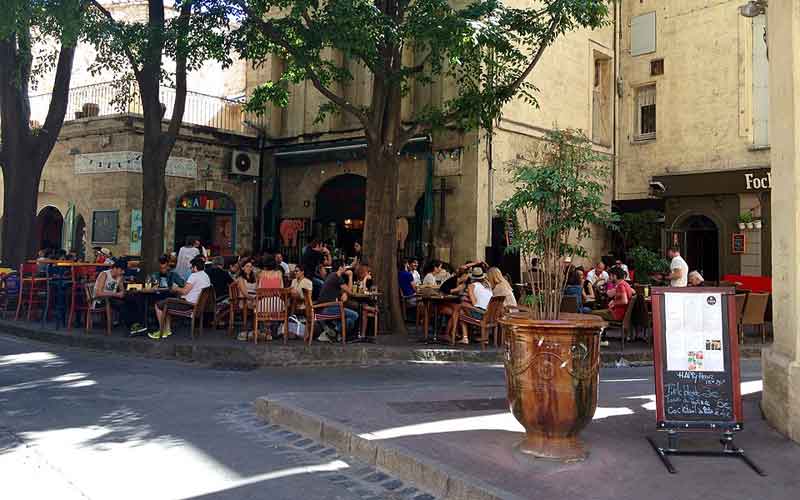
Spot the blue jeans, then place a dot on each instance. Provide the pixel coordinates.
(350, 317)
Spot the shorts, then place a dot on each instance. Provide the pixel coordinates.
(175, 305)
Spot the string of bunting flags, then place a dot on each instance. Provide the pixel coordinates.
(130, 161)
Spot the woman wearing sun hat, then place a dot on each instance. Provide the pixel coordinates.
(479, 293)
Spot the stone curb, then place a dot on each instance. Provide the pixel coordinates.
(247, 355)
(437, 478)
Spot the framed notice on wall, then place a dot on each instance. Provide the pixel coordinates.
(738, 243)
(105, 224)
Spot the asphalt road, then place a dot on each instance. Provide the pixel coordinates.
(86, 425)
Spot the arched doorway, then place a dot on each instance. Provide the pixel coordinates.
(702, 246)
(339, 210)
(209, 217)
(49, 227)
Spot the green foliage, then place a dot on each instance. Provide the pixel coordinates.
(558, 198)
(745, 217)
(646, 262)
(640, 229)
(485, 48)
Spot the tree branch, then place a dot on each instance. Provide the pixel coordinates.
(276, 37)
(58, 101)
(131, 59)
(179, 106)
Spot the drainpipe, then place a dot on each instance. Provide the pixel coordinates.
(617, 100)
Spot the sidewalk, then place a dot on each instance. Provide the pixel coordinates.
(456, 442)
(216, 348)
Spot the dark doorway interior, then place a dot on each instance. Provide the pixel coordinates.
(498, 256)
(702, 246)
(49, 227)
(339, 210)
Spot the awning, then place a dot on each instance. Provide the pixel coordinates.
(340, 150)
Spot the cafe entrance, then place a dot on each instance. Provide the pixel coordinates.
(49, 226)
(339, 211)
(209, 217)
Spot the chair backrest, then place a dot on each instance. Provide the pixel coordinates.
(11, 283)
(28, 270)
(626, 320)
(272, 302)
(88, 292)
(755, 308)
(206, 300)
(569, 304)
(84, 274)
(494, 309)
(741, 300)
(234, 292)
(309, 306)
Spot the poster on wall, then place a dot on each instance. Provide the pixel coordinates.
(135, 247)
(693, 331)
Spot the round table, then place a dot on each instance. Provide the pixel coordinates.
(435, 300)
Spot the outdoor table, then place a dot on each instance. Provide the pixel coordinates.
(362, 299)
(436, 300)
(147, 296)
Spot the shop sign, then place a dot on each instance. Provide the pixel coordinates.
(131, 162)
(755, 182)
(206, 201)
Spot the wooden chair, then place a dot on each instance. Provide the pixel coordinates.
(271, 305)
(741, 300)
(81, 276)
(9, 293)
(626, 325)
(205, 301)
(488, 323)
(369, 312)
(318, 316)
(754, 311)
(32, 290)
(237, 303)
(96, 307)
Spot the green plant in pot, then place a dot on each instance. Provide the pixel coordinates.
(647, 264)
(552, 357)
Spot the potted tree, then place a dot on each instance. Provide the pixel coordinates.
(553, 358)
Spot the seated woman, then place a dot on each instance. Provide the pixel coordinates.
(434, 274)
(501, 287)
(574, 288)
(587, 291)
(479, 293)
(247, 280)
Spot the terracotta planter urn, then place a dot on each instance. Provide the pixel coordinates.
(552, 377)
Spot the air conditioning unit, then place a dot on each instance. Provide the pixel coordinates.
(244, 164)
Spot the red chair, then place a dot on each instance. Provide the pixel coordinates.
(32, 290)
(81, 276)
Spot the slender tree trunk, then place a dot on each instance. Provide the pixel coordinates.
(380, 228)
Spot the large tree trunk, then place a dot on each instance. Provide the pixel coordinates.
(21, 189)
(154, 202)
(380, 228)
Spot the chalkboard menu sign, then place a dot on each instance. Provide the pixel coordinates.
(696, 359)
(104, 226)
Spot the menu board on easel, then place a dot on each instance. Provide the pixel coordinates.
(696, 359)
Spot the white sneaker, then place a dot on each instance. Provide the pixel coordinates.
(323, 337)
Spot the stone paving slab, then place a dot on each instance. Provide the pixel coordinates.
(215, 348)
(467, 454)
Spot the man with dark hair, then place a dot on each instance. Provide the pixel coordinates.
(189, 295)
(165, 277)
(220, 279)
(337, 286)
(678, 268)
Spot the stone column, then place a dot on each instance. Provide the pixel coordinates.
(781, 361)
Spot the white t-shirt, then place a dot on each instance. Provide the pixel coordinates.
(679, 263)
(482, 295)
(183, 266)
(417, 277)
(592, 276)
(199, 281)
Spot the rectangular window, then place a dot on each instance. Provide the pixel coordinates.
(643, 34)
(656, 67)
(646, 113)
(602, 100)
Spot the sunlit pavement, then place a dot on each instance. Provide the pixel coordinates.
(79, 424)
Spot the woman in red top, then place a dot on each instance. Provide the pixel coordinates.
(621, 295)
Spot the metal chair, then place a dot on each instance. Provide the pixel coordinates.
(32, 290)
(9, 293)
(197, 312)
(95, 307)
(58, 282)
(489, 321)
(272, 305)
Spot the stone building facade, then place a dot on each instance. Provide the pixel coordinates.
(90, 192)
(693, 128)
(469, 171)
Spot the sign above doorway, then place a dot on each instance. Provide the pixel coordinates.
(718, 182)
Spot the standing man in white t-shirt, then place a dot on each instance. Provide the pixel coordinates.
(189, 295)
(678, 268)
(183, 266)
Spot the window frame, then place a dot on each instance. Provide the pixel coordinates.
(638, 136)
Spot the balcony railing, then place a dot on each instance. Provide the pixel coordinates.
(102, 99)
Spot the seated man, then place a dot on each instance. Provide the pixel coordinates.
(300, 284)
(220, 279)
(189, 295)
(110, 286)
(621, 294)
(165, 277)
(337, 286)
(407, 286)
